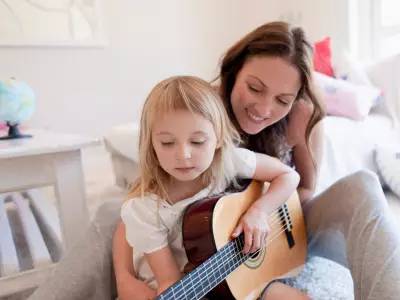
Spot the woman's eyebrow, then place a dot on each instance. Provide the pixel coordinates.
(281, 94)
(258, 79)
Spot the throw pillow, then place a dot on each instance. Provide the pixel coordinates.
(388, 162)
(352, 70)
(322, 57)
(345, 99)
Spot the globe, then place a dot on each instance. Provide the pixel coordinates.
(17, 104)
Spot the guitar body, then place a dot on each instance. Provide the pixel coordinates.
(207, 227)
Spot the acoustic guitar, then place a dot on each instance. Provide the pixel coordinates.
(219, 268)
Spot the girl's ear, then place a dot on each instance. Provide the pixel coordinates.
(219, 144)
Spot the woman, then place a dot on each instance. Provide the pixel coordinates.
(266, 86)
(267, 90)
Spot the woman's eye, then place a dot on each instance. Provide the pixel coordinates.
(254, 89)
(197, 143)
(283, 102)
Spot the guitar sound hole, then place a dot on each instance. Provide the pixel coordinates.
(255, 259)
(254, 255)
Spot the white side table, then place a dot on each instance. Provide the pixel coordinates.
(48, 158)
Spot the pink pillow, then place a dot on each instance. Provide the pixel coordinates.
(346, 99)
(322, 57)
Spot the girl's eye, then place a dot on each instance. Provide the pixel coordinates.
(197, 143)
(167, 144)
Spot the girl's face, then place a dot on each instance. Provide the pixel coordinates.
(184, 143)
(264, 92)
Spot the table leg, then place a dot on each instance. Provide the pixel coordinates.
(70, 192)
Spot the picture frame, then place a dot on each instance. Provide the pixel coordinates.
(76, 23)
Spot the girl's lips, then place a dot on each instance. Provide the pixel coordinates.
(186, 169)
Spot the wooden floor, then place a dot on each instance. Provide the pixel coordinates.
(30, 240)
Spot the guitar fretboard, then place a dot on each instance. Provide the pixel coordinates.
(209, 274)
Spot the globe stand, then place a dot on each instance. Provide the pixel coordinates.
(14, 133)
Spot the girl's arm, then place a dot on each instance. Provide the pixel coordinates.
(164, 267)
(128, 286)
(283, 182)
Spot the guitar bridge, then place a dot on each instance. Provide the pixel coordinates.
(287, 224)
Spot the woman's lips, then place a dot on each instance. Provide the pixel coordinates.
(254, 117)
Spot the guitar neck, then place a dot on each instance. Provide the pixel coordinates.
(209, 274)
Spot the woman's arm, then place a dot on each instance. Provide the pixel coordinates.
(164, 267)
(306, 160)
(128, 287)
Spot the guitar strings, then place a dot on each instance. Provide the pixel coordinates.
(225, 257)
(205, 270)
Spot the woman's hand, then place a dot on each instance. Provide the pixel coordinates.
(254, 224)
(133, 289)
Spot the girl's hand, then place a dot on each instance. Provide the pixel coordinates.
(254, 224)
(134, 289)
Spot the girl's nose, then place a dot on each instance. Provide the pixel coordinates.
(184, 152)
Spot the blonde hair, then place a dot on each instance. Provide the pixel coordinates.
(197, 96)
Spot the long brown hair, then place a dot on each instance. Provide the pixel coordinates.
(275, 39)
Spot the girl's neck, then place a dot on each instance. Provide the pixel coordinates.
(180, 190)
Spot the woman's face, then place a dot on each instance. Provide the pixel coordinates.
(264, 92)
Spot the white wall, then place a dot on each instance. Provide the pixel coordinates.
(88, 90)
(325, 18)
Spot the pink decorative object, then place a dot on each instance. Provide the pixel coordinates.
(346, 99)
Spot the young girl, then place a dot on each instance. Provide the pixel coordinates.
(187, 152)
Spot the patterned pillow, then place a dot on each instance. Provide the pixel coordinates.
(388, 162)
(345, 99)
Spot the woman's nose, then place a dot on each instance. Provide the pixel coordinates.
(264, 108)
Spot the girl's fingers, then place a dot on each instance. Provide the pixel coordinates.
(248, 241)
(256, 241)
(263, 240)
(238, 230)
